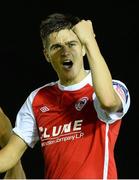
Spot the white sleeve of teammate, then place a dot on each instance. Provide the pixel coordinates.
(124, 95)
(25, 126)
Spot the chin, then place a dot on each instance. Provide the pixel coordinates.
(69, 75)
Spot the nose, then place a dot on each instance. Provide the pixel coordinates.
(65, 51)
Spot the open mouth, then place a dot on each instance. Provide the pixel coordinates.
(67, 64)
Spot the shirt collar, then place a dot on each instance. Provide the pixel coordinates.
(81, 84)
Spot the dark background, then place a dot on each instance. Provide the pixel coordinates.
(23, 67)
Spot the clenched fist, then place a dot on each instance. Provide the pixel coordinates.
(84, 31)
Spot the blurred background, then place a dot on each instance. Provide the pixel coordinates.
(23, 67)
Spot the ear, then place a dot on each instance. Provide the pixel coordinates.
(83, 50)
(47, 57)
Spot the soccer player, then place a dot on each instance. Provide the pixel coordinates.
(77, 118)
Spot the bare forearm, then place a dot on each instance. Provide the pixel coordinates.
(5, 129)
(11, 154)
(101, 75)
(102, 80)
(5, 134)
(16, 172)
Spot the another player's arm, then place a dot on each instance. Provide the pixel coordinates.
(5, 129)
(102, 80)
(17, 172)
(5, 134)
(11, 153)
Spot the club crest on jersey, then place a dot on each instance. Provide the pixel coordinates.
(81, 103)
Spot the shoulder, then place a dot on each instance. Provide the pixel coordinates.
(40, 89)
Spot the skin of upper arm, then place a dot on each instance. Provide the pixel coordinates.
(11, 153)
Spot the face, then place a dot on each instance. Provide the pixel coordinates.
(65, 52)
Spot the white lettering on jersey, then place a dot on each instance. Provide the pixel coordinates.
(61, 133)
(66, 128)
(77, 125)
(44, 131)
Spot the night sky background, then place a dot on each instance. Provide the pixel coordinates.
(23, 67)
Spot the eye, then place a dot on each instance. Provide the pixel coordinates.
(56, 46)
(72, 44)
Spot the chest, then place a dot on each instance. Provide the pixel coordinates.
(64, 114)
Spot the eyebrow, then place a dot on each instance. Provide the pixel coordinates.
(68, 42)
(73, 41)
(53, 45)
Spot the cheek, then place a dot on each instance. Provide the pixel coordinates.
(54, 56)
(55, 63)
(77, 52)
(55, 66)
(78, 55)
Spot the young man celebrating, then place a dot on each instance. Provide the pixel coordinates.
(76, 118)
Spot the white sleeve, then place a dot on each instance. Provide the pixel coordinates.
(25, 126)
(123, 94)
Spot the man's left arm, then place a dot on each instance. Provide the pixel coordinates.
(102, 80)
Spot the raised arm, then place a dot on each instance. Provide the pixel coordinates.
(102, 80)
(10, 153)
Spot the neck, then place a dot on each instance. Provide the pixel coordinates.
(68, 82)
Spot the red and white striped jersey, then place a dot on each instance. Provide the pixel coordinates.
(77, 136)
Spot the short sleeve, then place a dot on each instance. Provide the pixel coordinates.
(25, 126)
(123, 94)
